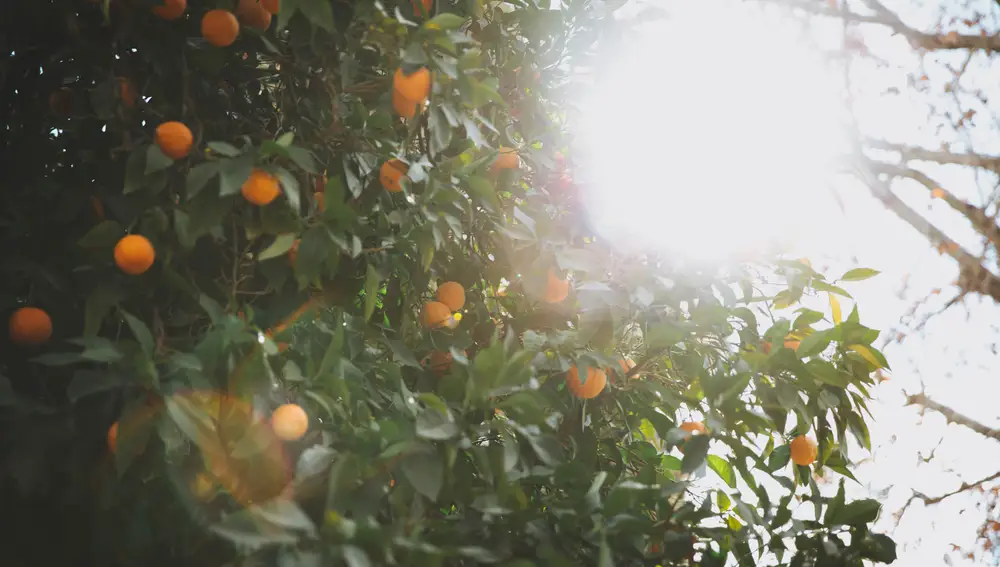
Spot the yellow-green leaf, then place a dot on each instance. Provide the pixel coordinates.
(835, 308)
(866, 354)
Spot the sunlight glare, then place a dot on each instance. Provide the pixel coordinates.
(710, 136)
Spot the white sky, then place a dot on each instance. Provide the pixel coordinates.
(706, 137)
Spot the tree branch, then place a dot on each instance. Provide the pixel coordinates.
(965, 486)
(953, 416)
(991, 163)
(884, 17)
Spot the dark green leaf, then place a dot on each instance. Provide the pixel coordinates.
(425, 472)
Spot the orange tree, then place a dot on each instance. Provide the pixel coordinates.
(309, 282)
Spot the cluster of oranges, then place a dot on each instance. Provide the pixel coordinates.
(221, 27)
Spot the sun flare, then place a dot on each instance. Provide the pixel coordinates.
(710, 135)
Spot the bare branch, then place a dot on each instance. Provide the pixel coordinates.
(991, 163)
(965, 486)
(884, 17)
(953, 416)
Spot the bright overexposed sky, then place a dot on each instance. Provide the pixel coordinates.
(713, 133)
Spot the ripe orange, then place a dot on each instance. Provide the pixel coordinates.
(694, 427)
(253, 14)
(440, 361)
(791, 344)
(428, 4)
(30, 326)
(134, 254)
(391, 174)
(127, 93)
(219, 27)
(113, 437)
(170, 9)
(596, 381)
(451, 294)
(413, 87)
(804, 451)
(290, 422)
(556, 290)
(272, 6)
(506, 159)
(405, 107)
(434, 314)
(261, 188)
(174, 138)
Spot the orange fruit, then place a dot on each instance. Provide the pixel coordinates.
(174, 138)
(596, 381)
(219, 27)
(434, 314)
(113, 437)
(290, 422)
(626, 364)
(272, 6)
(804, 451)
(391, 174)
(320, 199)
(253, 14)
(293, 252)
(451, 294)
(405, 107)
(30, 326)
(413, 87)
(506, 159)
(440, 362)
(693, 427)
(428, 4)
(127, 93)
(261, 188)
(170, 9)
(134, 254)
(791, 344)
(556, 290)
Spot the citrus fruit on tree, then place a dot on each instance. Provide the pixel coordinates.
(169, 9)
(113, 437)
(803, 450)
(261, 188)
(434, 314)
(594, 385)
(253, 14)
(220, 27)
(174, 139)
(134, 254)
(413, 87)
(290, 422)
(626, 364)
(693, 427)
(272, 6)
(391, 175)
(451, 294)
(405, 107)
(556, 289)
(506, 159)
(30, 326)
(440, 361)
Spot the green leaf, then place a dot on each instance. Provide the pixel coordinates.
(302, 158)
(445, 21)
(141, 333)
(281, 245)
(722, 500)
(356, 557)
(318, 12)
(135, 170)
(285, 513)
(779, 457)
(285, 139)
(104, 234)
(813, 344)
(233, 173)
(156, 160)
(723, 469)
(880, 548)
(856, 513)
(425, 472)
(190, 419)
(695, 451)
(858, 274)
(372, 282)
(224, 149)
(436, 425)
(827, 373)
(199, 176)
(87, 382)
(58, 359)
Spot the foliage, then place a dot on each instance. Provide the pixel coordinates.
(490, 461)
